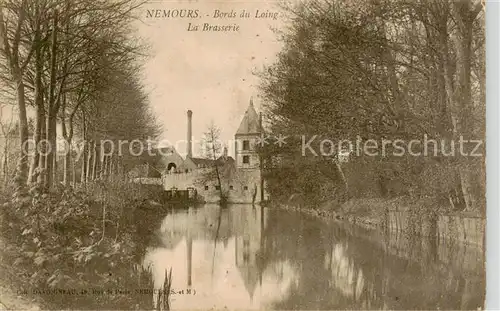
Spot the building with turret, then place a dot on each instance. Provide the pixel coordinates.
(241, 177)
(246, 139)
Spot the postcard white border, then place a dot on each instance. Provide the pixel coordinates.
(492, 155)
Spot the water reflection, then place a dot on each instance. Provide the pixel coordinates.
(218, 254)
(246, 257)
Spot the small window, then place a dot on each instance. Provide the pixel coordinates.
(206, 187)
(246, 145)
(230, 187)
(245, 188)
(217, 187)
(246, 257)
(246, 159)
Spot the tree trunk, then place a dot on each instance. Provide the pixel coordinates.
(111, 165)
(97, 161)
(343, 179)
(73, 173)
(5, 162)
(39, 103)
(104, 164)
(50, 158)
(67, 163)
(463, 45)
(94, 161)
(122, 169)
(43, 150)
(90, 160)
(12, 57)
(464, 18)
(23, 133)
(53, 108)
(83, 177)
(455, 100)
(40, 119)
(55, 168)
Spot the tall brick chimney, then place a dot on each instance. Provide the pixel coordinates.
(190, 134)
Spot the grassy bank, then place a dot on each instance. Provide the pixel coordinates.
(72, 248)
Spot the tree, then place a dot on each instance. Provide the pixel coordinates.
(212, 148)
(12, 37)
(384, 70)
(65, 56)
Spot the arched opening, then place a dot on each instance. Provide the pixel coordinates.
(171, 167)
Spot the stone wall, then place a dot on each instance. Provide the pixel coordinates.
(469, 230)
(240, 188)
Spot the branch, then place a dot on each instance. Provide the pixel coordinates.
(4, 39)
(28, 58)
(17, 35)
(63, 119)
(72, 115)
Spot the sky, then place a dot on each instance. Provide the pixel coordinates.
(210, 73)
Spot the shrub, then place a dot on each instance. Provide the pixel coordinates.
(73, 239)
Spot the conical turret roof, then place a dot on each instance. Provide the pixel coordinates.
(250, 123)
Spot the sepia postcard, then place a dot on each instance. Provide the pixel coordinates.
(243, 155)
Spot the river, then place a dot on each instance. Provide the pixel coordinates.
(249, 257)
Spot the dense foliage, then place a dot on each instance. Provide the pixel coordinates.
(379, 70)
(68, 210)
(81, 241)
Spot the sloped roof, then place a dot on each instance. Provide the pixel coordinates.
(222, 160)
(165, 151)
(250, 123)
(202, 162)
(165, 156)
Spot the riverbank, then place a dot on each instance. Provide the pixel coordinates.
(403, 215)
(73, 248)
(367, 213)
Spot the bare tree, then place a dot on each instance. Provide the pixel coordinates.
(11, 49)
(212, 149)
